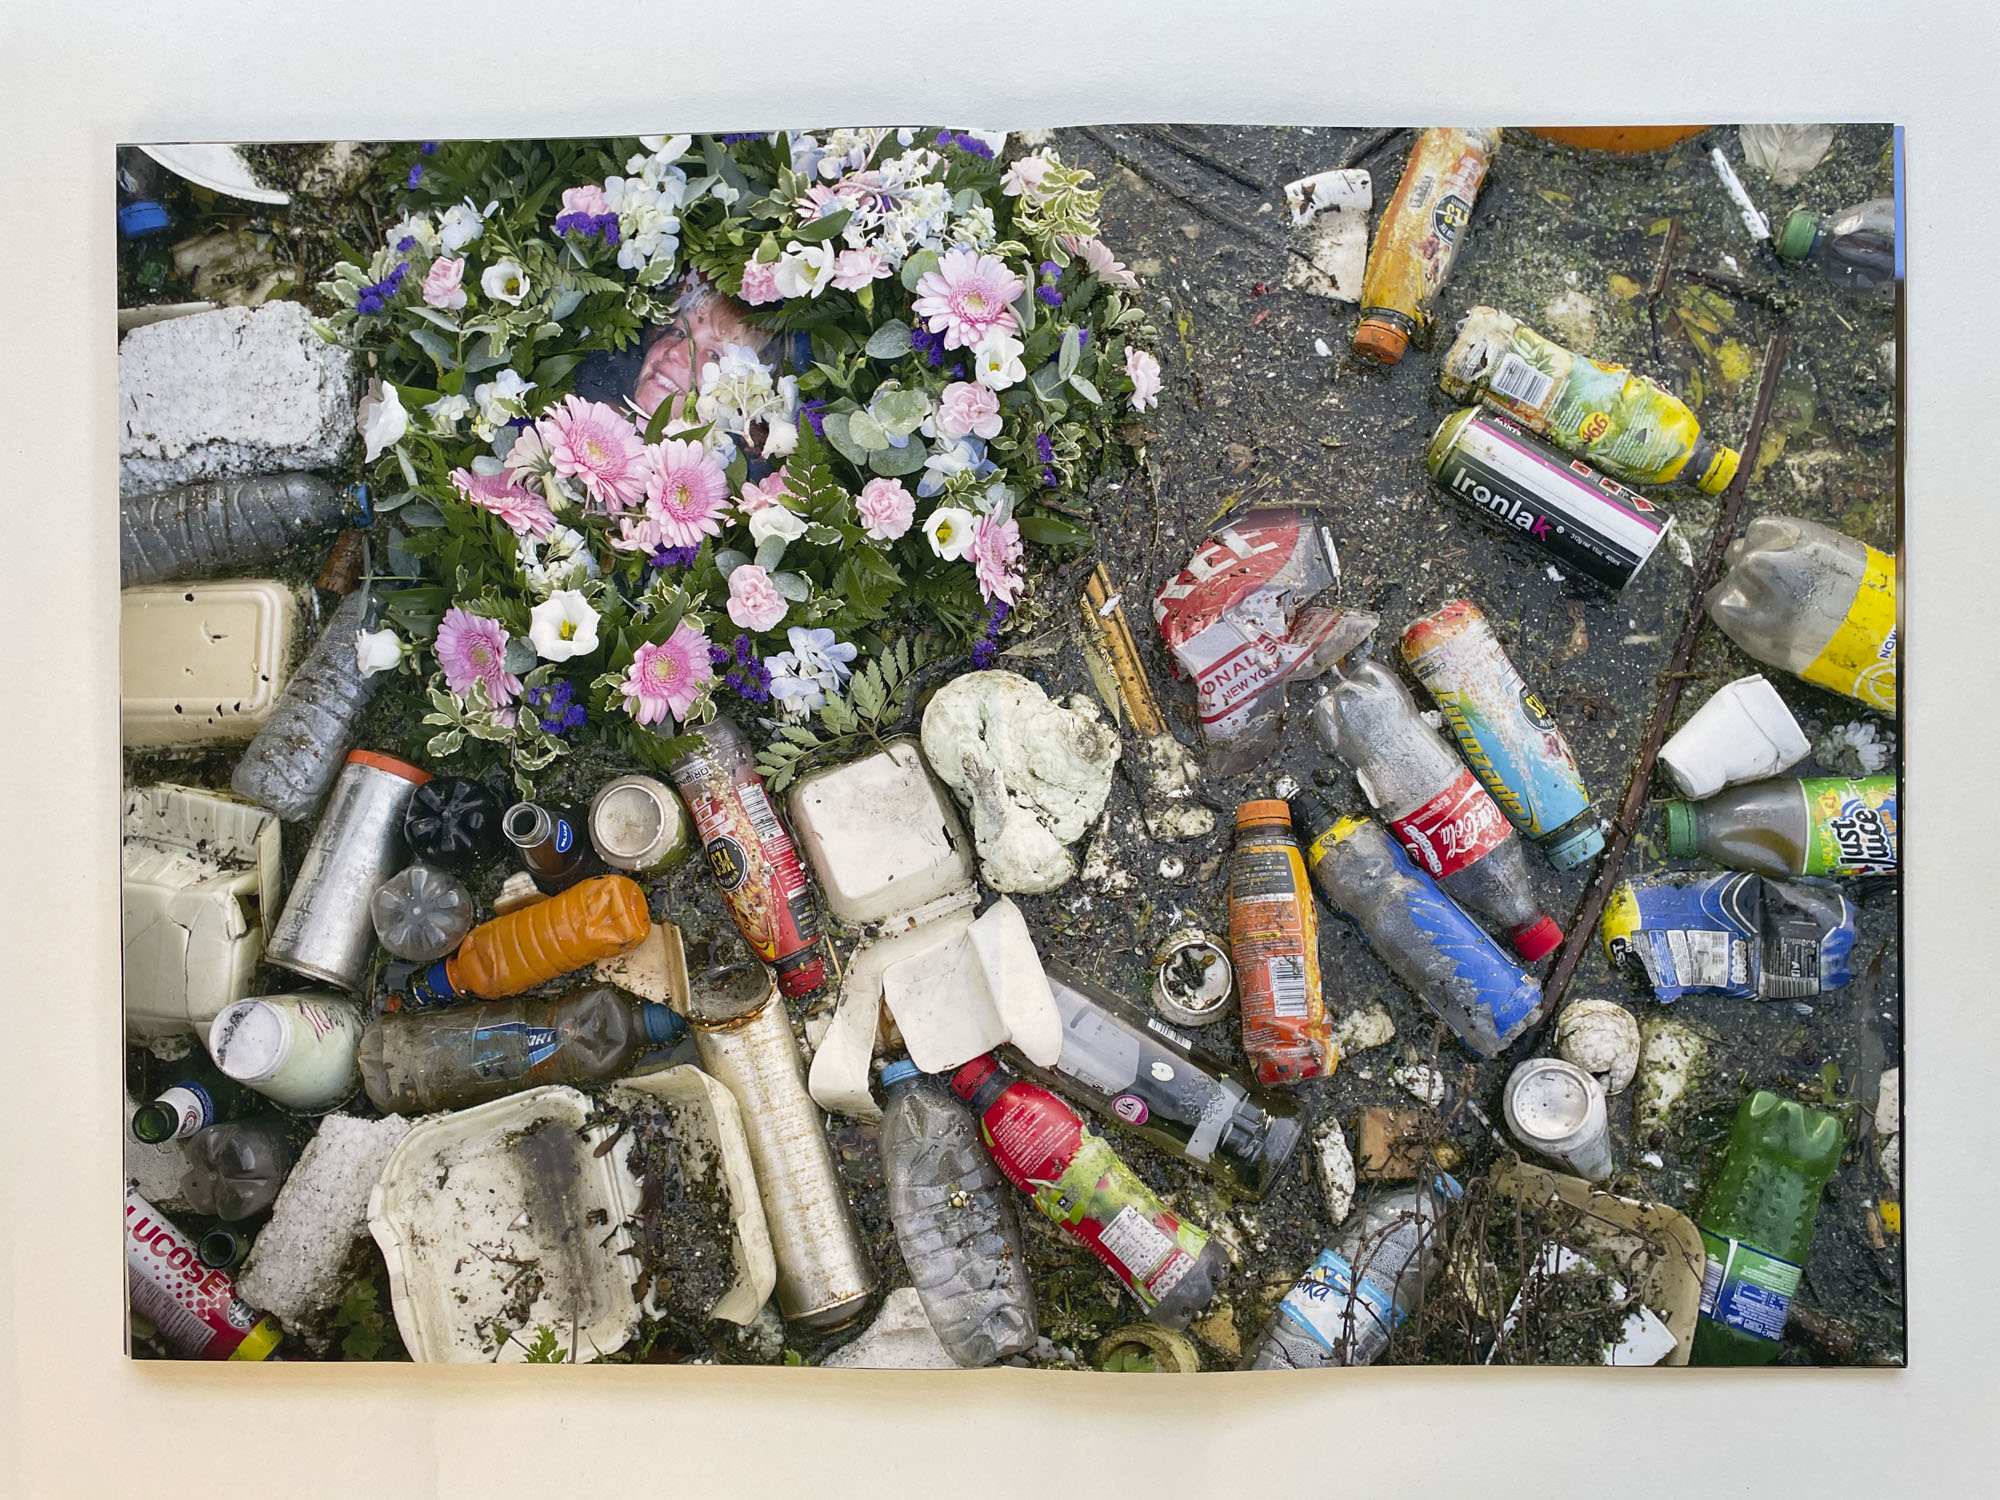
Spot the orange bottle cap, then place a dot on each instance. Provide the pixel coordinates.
(1382, 342)
(390, 764)
(1267, 810)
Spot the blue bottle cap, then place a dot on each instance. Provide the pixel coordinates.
(141, 218)
(1584, 844)
(1448, 1185)
(898, 1070)
(662, 1024)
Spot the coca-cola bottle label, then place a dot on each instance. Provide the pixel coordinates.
(1460, 824)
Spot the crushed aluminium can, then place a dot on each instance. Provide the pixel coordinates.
(1741, 935)
(1583, 519)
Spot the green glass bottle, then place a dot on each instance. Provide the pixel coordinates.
(1757, 1225)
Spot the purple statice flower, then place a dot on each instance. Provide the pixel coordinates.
(1049, 477)
(983, 652)
(559, 715)
(678, 557)
(406, 244)
(373, 299)
(985, 649)
(743, 651)
(1049, 295)
(815, 414)
(718, 656)
(416, 174)
(1051, 272)
(428, 148)
(969, 144)
(1044, 448)
(738, 137)
(751, 681)
(590, 226)
(928, 344)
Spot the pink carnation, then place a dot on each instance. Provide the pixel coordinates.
(1144, 372)
(525, 512)
(588, 199)
(441, 284)
(968, 409)
(754, 601)
(854, 269)
(472, 648)
(1100, 262)
(603, 450)
(667, 678)
(1024, 177)
(760, 283)
(687, 494)
(886, 509)
(967, 297)
(761, 494)
(994, 551)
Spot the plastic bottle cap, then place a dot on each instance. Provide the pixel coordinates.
(1538, 940)
(390, 764)
(966, 1081)
(662, 1024)
(1382, 342)
(1720, 472)
(1795, 240)
(141, 218)
(1585, 844)
(898, 1070)
(249, 1041)
(1265, 810)
(1680, 830)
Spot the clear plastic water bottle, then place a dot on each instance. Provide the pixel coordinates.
(954, 1218)
(235, 1170)
(1351, 1299)
(1439, 812)
(199, 530)
(421, 913)
(1856, 246)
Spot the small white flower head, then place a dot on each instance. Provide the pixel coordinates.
(378, 651)
(949, 531)
(447, 412)
(381, 420)
(562, 626)
(996, 361)
(774, 519)
(461, 224)
(505, 281)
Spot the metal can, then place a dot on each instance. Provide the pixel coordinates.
(1509, 738)
(1582, 518)
(743, 1036)
(637, 825)
(1193, 982)
(327, 931)
(192, 1305)
(752, 855)
(1557, 1110)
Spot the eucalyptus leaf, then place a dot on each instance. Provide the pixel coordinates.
(566, 304)
(1047, 381)
(1086, 390)
(421, 515)
(1072, 351)
(769, 551)
(728, 560)
(890, 341)
(865, 432)
(387, 503)
(834, 426)
(479, 355)
(792, 586)
(521, 656)
(436, 345)
(901, 412)
(915, 267)
(1025, 308)
(894, 462)
(432, 315)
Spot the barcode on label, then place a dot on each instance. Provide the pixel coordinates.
(763, 817)
(1711, 1284)
(1702, 959)
(1136, 1242)
(1288, 988)
(1520, 381)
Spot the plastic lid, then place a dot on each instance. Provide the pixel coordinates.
(1722, 468)
(1584, 844)
(249, 1041)
(140, 218)
(388, 763)
(1265, 810)
(898, 1070)
(966, 1081)
(1680, 830)
(1383, 342)
(662, 1024)
(1795, 240)
(1538, 939)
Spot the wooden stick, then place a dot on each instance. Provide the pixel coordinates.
(1114, 639)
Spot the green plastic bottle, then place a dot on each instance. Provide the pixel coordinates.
(1757, 1226)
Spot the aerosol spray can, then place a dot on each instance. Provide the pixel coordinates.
(194, 1306)
(326, 931)
(744, 1038)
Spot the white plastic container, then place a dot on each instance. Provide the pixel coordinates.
(202, 663)
(881, 835)
(1557, 1110)
(471, 1197)
(297, 1050)
(1744, 733)
(201, 872)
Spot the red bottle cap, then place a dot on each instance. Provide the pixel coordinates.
(1538, 940)
(801, 974)
(965, 1082)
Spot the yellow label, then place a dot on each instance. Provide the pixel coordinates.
(1860, 660)
(1621, 921)
(1892, 1217)
(259, 1341)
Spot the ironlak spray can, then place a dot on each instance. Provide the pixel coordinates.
(744, 1039)
(1580, 517)
(194, 1306)
(752, 856)
(327, 930)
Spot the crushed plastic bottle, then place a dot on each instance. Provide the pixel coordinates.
(531, 945)
(235, 1170)
(955, 1223)
(219, 525)
(1817, 825)
(1437, 809)
(1856, 247)
(1741, 935)
(1351, 1300)
(421, 913)
(1814, 601)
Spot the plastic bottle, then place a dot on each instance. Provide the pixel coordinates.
(1274, 948)
(296, 1050)
(216, 525)
(1811, 600)
(235, 1170)
(1808, 826)
(1351, 1299)
(421, 913)
(453, 823)
(1419, 236)
(1856, 247)
(140, 211)
(1449, 824)
(1079, 1184)
(291, 763)
(599, 918)
(1621, 422)
(1508, 738)
(201, 1096)
(1162, 1085)
(1419, 931)
(552, 845)
(954, 1218)
(448, 1059)
(1757, 1222)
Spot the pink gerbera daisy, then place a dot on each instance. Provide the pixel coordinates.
(668, 677)
(472, 648)
(687, 494)
(597, 445)
(967, 297)
(525, 512)
(995, 548)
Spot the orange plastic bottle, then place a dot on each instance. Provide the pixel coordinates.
(594, 919)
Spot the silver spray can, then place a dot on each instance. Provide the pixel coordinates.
(744, 1038)
(327, 930)
(1557, 1110)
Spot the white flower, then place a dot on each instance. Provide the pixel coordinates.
(737, 390)
(505, 281)
(381, 420)
(378, 651)
(804, 270)
(975, 228)
(1024, 178)
(416, 227)
(949, 531)
(821, 657)
(797, 694)
(563, 625)
(461, 224)
(782, 438)
(996, 361)
(499, 401)
(447, 412)
(767, 521)
(560, 560)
